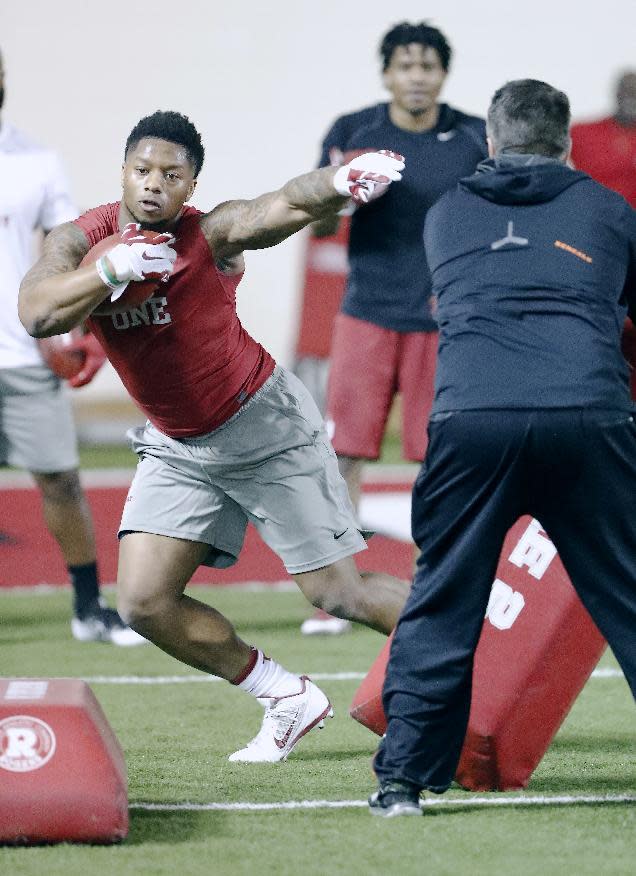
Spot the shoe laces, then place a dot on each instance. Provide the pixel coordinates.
(277, 722)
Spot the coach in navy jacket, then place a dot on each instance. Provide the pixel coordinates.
(534, 270)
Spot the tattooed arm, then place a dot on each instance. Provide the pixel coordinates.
(56, 295)
(267, 220)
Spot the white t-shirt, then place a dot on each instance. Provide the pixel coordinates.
(34, 194)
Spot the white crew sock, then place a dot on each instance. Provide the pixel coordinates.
(268, 679)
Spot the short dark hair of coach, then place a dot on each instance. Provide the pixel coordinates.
(527, 116)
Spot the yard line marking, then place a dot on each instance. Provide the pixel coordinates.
(607, 672)
(519, 800)
(283, 586)
(207, 679)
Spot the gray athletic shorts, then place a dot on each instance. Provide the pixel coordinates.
(37, 429)
(271, 464)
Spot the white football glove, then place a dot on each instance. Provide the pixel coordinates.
(136, 258)
(368, 176)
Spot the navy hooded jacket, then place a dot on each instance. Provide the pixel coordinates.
(534, 269)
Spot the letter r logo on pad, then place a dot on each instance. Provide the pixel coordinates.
(26, 743)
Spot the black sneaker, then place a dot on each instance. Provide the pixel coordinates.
(395, 798)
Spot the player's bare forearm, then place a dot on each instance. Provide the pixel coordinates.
(314, 193)
(269, 219)
(56, 295)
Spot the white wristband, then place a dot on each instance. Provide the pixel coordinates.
(105, 275)
(341, 181)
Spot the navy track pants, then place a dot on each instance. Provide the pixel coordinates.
(572, 469)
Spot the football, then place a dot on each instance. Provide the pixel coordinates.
(59, 354)
(136, 292)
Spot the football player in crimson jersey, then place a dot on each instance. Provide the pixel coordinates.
(231, 436)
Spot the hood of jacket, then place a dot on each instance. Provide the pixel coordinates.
(521, 179)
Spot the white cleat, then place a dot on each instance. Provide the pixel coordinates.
(105, 625)
(323, 624)
(286, 721)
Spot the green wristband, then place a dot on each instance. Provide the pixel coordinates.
(105, 274)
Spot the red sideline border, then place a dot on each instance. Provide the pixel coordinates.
(30, 557)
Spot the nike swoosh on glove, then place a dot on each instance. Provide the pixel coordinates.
(368, 176)
(139, 258)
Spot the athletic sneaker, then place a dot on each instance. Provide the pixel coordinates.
(286, 720)
(104, 625)
(395, 798)
(323, 624)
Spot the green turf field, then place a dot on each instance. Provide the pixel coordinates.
(107, 456)
(176, 737)
(121, 456)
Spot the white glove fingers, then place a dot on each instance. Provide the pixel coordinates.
(369, 175)
(135, 261)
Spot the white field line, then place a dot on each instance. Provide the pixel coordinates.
(607, 672)
(207, 679)
(247, 586)
(284, 586)
(517, 800)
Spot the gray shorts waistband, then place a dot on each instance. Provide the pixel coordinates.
(271, 381)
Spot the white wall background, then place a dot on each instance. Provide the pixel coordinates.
(263, 81)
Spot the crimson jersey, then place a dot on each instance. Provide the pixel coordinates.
(183, 355)
(607, 151)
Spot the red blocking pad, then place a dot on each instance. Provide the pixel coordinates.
(62, 770)
(366, 706)
(537, 649)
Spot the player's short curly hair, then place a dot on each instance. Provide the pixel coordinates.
(405, 33)
(171, 126)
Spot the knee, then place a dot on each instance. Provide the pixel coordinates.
(321, 598)
(329, 590)
(140, 607)
(60, 487)
(131, 610)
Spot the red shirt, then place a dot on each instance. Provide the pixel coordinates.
(607, 151)
(183, 355)
(326, 272)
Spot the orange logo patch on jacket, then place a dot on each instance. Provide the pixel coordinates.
(576, 252)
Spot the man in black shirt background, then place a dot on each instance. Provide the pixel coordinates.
(385, 336)
(534, 270)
